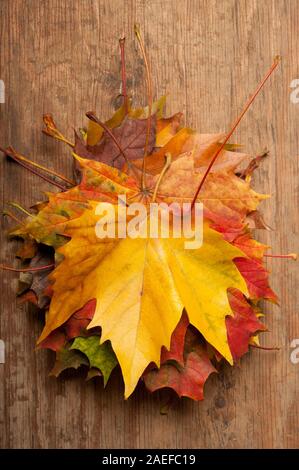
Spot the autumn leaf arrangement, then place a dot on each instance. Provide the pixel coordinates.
(166, 315)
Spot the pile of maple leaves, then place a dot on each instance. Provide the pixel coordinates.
(166, 315)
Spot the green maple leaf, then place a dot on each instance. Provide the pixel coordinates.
(66, 358)
(99, 355)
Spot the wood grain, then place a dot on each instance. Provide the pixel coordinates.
(62, 56)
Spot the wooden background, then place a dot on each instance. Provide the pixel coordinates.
(62, 56)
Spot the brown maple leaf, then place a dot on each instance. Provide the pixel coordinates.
(131, 136)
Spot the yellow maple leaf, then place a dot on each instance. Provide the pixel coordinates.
(141, 287)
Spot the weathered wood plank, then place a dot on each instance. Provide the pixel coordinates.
(61, 56)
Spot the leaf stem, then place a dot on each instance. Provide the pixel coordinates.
(24, 165)
(14, 217)
(235, 125)
(149, 99)
(257, 346)
(20, 208)
(26, 270)
(123, 74)
(41, 167)
(165, 168)
(288, 256)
